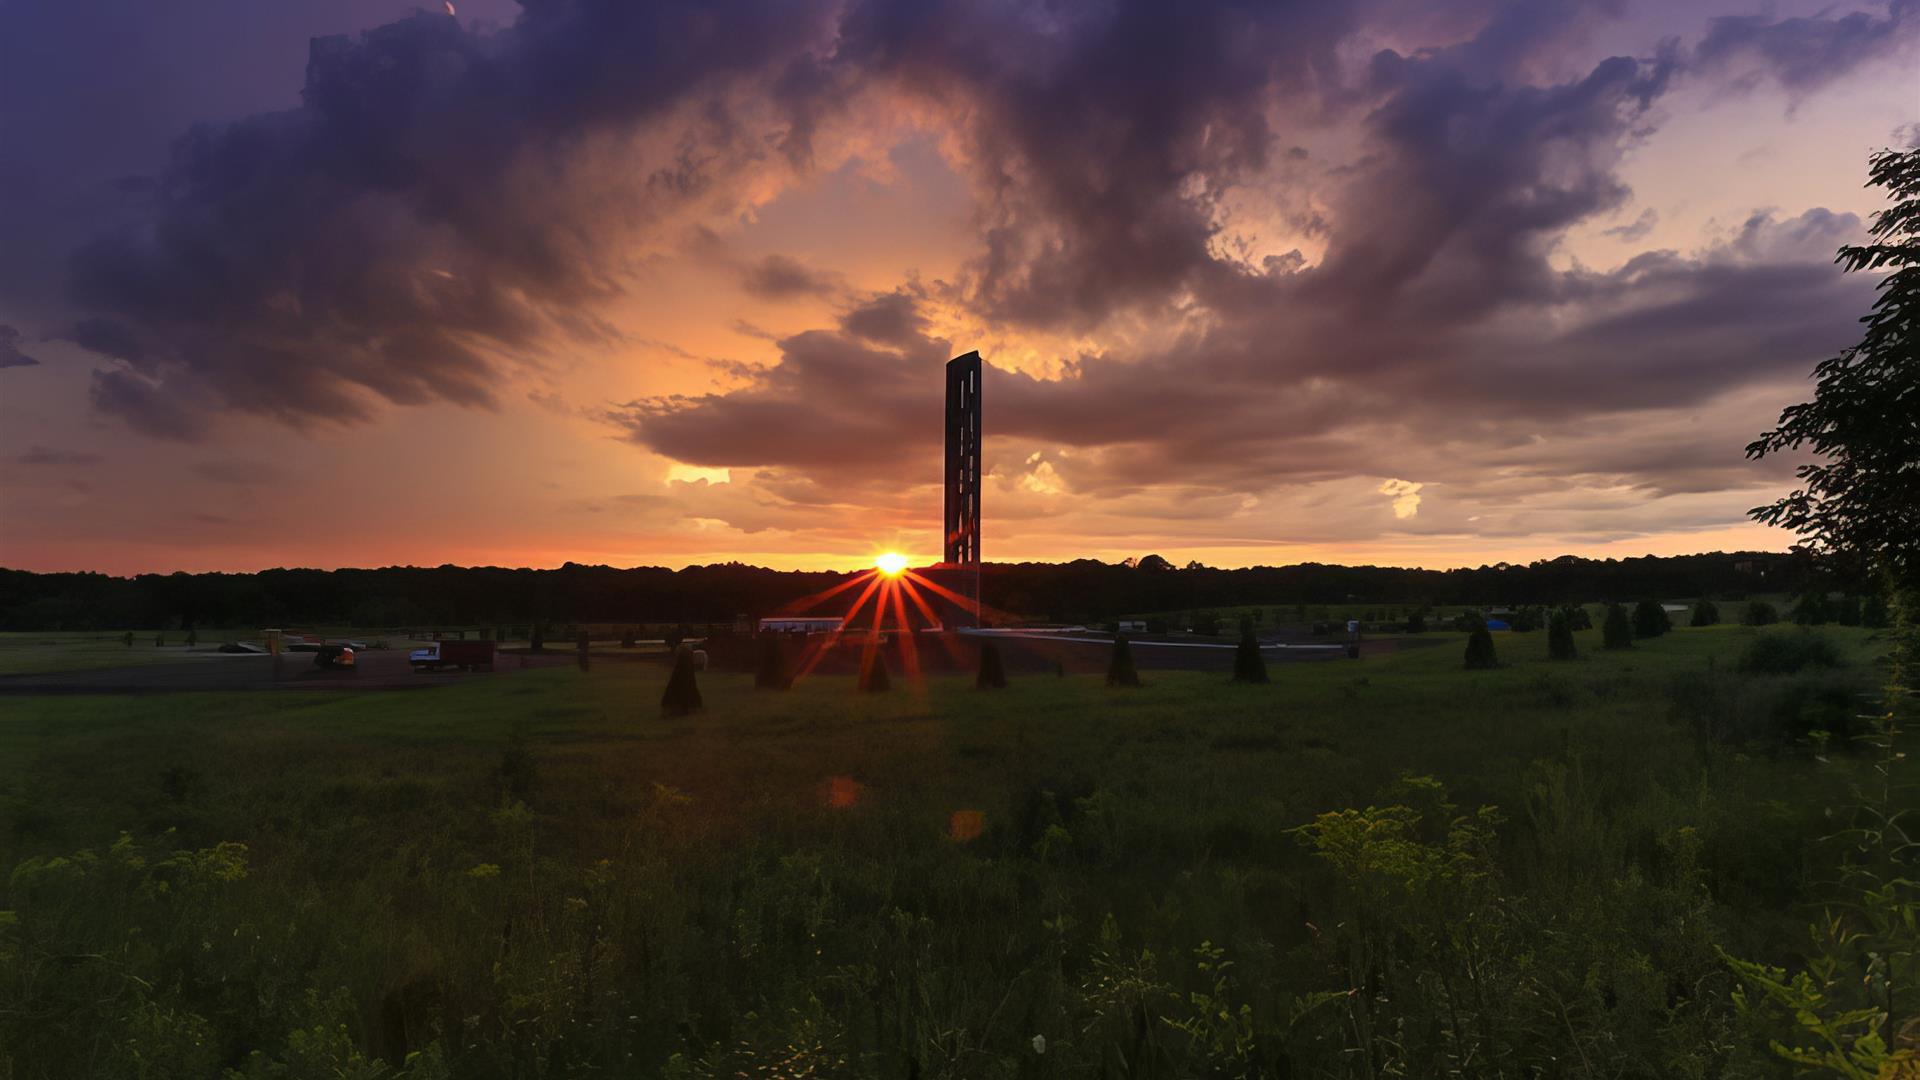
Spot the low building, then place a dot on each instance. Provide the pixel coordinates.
(801, 624)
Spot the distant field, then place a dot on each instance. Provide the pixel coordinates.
(52, 651)
(534, 873)
(1269, 614)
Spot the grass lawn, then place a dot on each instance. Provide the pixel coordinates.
(534, 873)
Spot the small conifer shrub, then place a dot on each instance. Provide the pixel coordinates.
(1120, 669)
(1480, 655)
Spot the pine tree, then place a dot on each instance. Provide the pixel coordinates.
(1120, 670)
(1417, 623)
(873, 672)
(1617, 631)
(772, 674)
(992, 675)
(1560, 636)
(1480, 650)
(682, 696)
(1248, 666)
(539, 642)
(1705, 613)
(1650, 619)
(580, 645)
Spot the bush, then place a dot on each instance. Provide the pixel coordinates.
(1206, 624)
(580, 646)
(1248, 665)
(873, 673)
(1120, 670)
(1704, 613)
(992, 674)
(1821, 711)
(1811, 610)
(1847, 611)
(1650, 619)
(1480, 650)
(772, 674)
(682, 695)
(1417, 623)
(538, 639)
(1616, 632)
(1759, 613)
(1784, 652)
(1560, 636)
(626, 638)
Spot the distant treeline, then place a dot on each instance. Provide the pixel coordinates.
(1081, 590)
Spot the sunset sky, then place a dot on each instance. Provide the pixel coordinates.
(354, 282)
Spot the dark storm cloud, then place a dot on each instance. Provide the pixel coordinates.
(10, 354)
(421, 218)
(1475, 177)
(1100, 136)
(1277, 398)
(440, 206)
(1805, 53)
(1637, 229)
(778, 277)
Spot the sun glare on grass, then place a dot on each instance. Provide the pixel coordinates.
(891, 563)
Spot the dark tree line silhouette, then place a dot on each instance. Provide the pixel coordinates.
(1081, 590)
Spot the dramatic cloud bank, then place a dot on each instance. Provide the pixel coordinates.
(1227, 249)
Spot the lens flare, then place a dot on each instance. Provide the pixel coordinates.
(891, 563)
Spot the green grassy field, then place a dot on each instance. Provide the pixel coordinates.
(535, 874)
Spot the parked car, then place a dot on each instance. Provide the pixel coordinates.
(465, 655)
(333, 658)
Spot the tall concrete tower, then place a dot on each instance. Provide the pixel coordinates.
(962, 518)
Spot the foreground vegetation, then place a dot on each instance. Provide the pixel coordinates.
(1386, 868)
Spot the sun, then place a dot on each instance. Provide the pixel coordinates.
(890, 563)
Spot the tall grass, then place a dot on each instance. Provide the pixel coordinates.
(1363, 870)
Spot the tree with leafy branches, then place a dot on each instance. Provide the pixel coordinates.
(1849, 1011)
(1863, 424)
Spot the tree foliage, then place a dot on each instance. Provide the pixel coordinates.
(682, 695)
(1248, 665)
(1120, 669)
(1560, 636)
(1650, 620)
(1864, 419)
(1617, 631)
(1480, 650)
(992, 674)
(772, 672)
